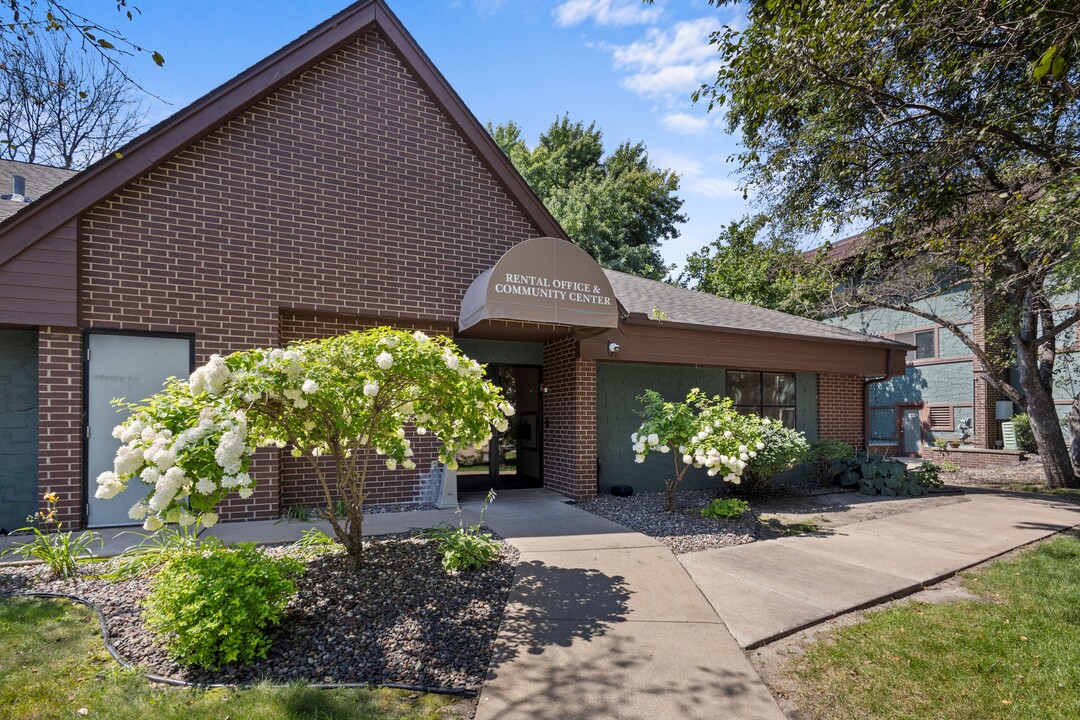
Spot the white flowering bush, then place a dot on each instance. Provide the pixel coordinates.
(701, 432)
(350, 399)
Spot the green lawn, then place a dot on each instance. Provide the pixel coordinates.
(1015, 657)
(53, 665)
(1072, 494)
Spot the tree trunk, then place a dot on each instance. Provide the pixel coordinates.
(1044, 422)
(1073, 418)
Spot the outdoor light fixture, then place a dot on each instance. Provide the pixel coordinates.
(613, 347)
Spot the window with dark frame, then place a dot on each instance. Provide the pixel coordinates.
(765, 394)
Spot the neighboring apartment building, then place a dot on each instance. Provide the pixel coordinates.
(943, 386)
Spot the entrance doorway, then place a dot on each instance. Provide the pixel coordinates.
(912, 432)
(126, 366)
(512, 459)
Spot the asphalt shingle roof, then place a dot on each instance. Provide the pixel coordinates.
(680, 305)
(40, 179)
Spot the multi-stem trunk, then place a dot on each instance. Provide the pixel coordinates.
(672, 484)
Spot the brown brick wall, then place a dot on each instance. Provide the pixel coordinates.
(569, 420)
(840, 408)
(345, 192)
(977, 458)
(60, 396)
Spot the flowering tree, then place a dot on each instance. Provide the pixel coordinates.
(705, 432)
(349, 399)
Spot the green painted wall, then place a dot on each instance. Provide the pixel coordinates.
(503, 352)
(18, 427)
(941, 383)
(617, 387)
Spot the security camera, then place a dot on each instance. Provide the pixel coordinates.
(613, 347)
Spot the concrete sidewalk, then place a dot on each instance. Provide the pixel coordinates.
(603, 622)
(767, 590)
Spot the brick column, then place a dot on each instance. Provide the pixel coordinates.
(60, 421)
(841, 408)
(569, 420)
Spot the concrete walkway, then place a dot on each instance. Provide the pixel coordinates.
(603, 622)
(767, 590)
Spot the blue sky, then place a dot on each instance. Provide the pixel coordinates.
(629, 67)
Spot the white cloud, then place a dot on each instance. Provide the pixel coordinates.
(605, 12)
(670, 63)
(685, 124)
(695, 178)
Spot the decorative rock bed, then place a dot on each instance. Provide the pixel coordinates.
(401, 619)
(683, 530)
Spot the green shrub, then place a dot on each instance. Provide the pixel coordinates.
(464, 548)
(724, 508)
(928, 475)
(879, 476)
(823, 455)
(211, 607)
(941, 443)
(783, 449)
(314, 542)
(1025, 438)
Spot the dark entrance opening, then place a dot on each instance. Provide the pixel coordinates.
(513, 458)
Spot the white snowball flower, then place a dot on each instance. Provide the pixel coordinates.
(654, 439)
(744, 456)
(452, 361)
(752, 453)
(153, 522)
(391, 464)
(727, 433)
(743, 448)
(664, 449)
(507, 409)
(639, 458)
(311, 386)
(408, 464)
(128, 460)
(185, 518)
(634, 438)
(205, 486)
(501, 424)
(371, 389)
(138, 511)
(760, 446)
(384, 360)
(687, 459)
(420, 337)
(118, 431)
(209, 519)
(109, 486)
(245, 492)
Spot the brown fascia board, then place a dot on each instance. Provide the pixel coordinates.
(646, 321)
(187, 126)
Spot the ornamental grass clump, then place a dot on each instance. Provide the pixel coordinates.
(701, 432)
(348, 405)
(59, 550)
(213, 605)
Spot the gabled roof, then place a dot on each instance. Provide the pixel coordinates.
(641, 298)
(213, 110)
(40, 179)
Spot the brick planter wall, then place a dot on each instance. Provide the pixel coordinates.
(976, 458)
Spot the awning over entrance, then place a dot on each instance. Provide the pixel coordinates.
(544, 280)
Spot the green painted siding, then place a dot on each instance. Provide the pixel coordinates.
(503, 352)
(18, 427)
(949, 346)
(952, 306)
(617, 388)
(943, 383)
(806, 404)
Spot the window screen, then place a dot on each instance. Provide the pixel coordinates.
(924, 345)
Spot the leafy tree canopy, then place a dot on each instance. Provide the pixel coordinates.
(952, 129)
(770, 272)
(618, 208)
